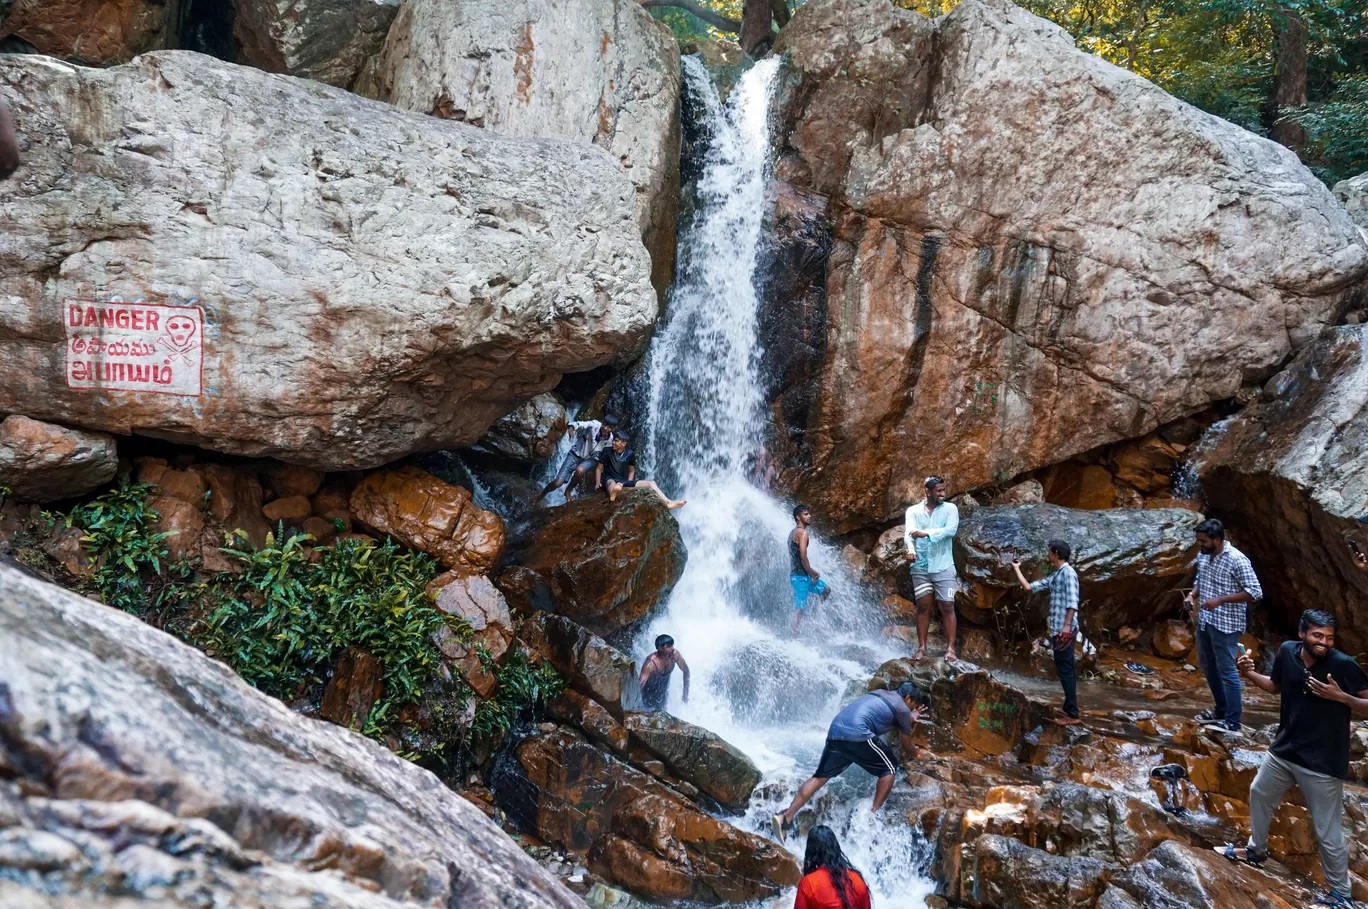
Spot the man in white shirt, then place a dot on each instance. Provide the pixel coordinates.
(590, 438)
(929, 537)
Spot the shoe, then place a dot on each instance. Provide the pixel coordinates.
(781, 828)
(1250, 857)
(1208, 716)
(1336, 900)
(1169, 772)
(1223, 727)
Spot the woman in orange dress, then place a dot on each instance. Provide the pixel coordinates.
(829, 881)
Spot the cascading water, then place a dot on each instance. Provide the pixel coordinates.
(770, 695)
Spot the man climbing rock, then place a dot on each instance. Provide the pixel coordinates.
(804, 580)
(656, 671)
(1063, 620)
(1320, 688)
(1224, 587)
(616, 471)
(854, 738)
(929, 529)
(590, 438)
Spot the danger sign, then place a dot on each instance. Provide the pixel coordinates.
(118, 346)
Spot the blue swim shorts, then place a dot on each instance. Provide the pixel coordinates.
(803, 586)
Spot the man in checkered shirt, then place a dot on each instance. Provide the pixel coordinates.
(1224, 586)
(1063, 586)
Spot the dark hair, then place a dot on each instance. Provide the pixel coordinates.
(824, 851)
(620, 435)
(1060, 548)
(664, 640)
(1315, 618)
(932, 482)
(910, 690)
(610, 420)
(799, 509)
(1211, 527)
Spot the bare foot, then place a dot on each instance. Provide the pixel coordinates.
(950, 655)
(612, 497)
(919, 655)
(678, 503)
(1068, 720)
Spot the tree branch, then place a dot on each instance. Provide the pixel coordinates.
(716, 20)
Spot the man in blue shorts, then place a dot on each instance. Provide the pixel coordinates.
(854, 738)
(802, 578)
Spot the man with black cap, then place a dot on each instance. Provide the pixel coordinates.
(590, 438)
(929, 529)
(854, 738)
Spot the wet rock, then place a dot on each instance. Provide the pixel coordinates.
(346, 333)
(92, 32)
(998, 872)
(355, 686)
(1129, 563)
(697, 756)
(638, 834)
(986, 717)
(1068, 819)
(311, 812)
(1178, 876)
(475, 601)
(329, 41)
(590, 717)
(43, 462)
(1173, 639)
(585, 660)
(1288, 477)
(606, 565)
(530, 433)
(945, 255)
(423, 512)
(765, 679)
(586, 71)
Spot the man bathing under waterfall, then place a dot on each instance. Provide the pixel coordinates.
(655, 674)
(616, 471)
(929, 529)
(804, 580)
(854, 738)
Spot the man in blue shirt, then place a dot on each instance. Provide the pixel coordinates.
(929, 529)
(854, 738)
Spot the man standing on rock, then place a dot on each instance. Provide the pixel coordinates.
(1224, 586)
(1063, 622)
(1320, 688)
(802, 578)
(655, 674)
(616, 471)
(854, 738)
(590, 438)
(929, 529)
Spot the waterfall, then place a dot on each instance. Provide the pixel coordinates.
(771, 696)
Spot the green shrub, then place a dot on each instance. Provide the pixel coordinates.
(522, 686)
(133, 568)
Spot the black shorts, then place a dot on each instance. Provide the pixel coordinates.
(872, 756)
(626, 484)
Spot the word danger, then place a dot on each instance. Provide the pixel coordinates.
(134, 347)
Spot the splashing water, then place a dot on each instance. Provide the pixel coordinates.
(769, 694)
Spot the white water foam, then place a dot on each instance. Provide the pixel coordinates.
(769, 694)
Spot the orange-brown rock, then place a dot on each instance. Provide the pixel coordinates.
(235, 500)
(94, 32)
(65, 547)
(1074, 485)
(999, 871)
(287, 480)
(186, 485)
(181, 520)
(607, 565)
(1175, 875)
(899, 609)
(585, 660)
(321, 529)
(474, 601)
(590, 717)
(967, 288)
(696, 756)
(1145, 465)
(570, 794)
(1173, 639)
(44, 462)
(985, 716)
(355, 686)
(292, 510)
(1029, 492)
(423, 512)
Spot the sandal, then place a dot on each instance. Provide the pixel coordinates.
(1250, 857)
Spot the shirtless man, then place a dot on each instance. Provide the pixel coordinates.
(804, 580)
(655, 674)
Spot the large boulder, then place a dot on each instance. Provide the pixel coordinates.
(637, 833)
(696, 756)
(1289, 475)
(607, 565)
(998, 872)
(1177, 876)
(1129, 562)
(429, 515)
(369, 282)
(1032, 252)
(586, 661)
(982, 716)
(1353, 195)
(94, 32)
(140, 727)
(42, 462)
(591, 71)
(330, 41)
(529, 433)
(478, 604)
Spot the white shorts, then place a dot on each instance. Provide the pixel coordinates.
(944, 583)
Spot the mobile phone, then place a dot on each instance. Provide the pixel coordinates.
(1242, 650)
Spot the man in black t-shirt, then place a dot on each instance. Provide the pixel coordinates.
(616, 471)
(1320, 688)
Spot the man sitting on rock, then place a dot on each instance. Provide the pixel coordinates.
(1320, 688)
(929, 529)
(617, 471)
(655, 674)
(590, 438)
(1063, 586)
(1224, 586)
(854, 738)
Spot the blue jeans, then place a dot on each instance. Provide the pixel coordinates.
(1216, 651)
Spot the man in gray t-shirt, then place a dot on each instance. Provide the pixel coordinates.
(853, 738)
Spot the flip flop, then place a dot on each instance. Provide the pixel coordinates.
(1250, 856)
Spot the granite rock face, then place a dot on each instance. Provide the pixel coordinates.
(43, 462)
(179, 773)
(93, 32)
(368, 282)
(600, 72)
(330, 41)
(1032, 252)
